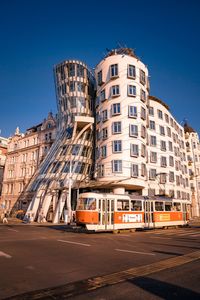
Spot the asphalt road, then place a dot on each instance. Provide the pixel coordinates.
(50, 263)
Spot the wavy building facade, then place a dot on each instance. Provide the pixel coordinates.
(69, 160)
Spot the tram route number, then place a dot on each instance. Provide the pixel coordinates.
(131, 218)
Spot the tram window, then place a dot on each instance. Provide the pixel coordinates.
(122, 204)
(86, 204)
(159, 206)
(136, 205)
(176, 206)
(168, 206)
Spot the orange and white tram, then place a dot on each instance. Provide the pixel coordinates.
(109, 212)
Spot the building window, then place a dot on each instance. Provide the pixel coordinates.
(99, 78)
(152, 125)
(72, 86)
(153, 157)
(160, 114)
(134, 150)
(163, 146)
(143, 150)
(131, 90)
(131, 71)
(152, 174)
(66, 168)
(116, 127)
(171, 176)
(71, 70)
(143, 131)
(143, 169)
(132, 111)
(75, 149)
(80, 71)
(100, 170)
(163, 178)
(104, 133)
(153, 140)
(166, 118)
(98, 117)
(142, 77)
(143, 113)
(142, 95)
(114, 70)
(117, 166)
(171, 161)
(117, 146)
(104, 115)
(80, 86)
(104, 151)
(170, 146)
(133, 130)
(98, 135)
(102, 95)
(163, 161)
(151, 111)
(134, 170)
(162, 130)
(116, 109)
(169, 133)
(115, 91)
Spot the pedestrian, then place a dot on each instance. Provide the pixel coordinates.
(5, 220)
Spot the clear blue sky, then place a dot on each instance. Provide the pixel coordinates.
(36, 34)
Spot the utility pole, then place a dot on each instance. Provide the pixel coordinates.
(69, 209)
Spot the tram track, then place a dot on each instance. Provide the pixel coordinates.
(85, 286)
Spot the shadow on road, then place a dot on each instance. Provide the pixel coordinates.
(163, 289)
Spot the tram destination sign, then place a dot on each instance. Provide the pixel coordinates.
(131, 218)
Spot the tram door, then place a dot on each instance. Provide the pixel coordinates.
(184, 208)
(106, 213)
(148, 213)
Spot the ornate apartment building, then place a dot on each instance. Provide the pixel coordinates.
(25, 152)
(3, 153)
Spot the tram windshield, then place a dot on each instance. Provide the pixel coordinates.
(86, 204)
(136, 205)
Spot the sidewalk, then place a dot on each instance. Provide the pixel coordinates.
(195, 222)
(72, 227)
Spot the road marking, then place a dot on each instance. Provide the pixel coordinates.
(188, 233)
(122, 235)
(14, 230)
(76, 243)
(3, 254)
(160, 237)
(130, 251)
(194, 235)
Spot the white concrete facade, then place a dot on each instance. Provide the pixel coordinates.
(139, 144)
(121, 119)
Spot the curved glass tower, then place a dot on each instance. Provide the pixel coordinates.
(69, 160)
